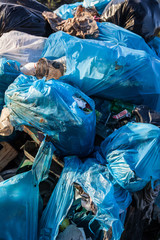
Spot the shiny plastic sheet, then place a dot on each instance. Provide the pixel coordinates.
(94, 179)
(19, 198)
(131, 154)
(57, 109)
(107, 69)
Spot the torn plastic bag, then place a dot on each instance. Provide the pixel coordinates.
(23, 19)
(21, 47)
(9, 70)
(155, 45)
(57, 109)
(132, 154)
(141, 17)
(19, 198)
(93, 178)
(118, 72)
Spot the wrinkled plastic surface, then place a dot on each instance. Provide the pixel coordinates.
(140, 213)
(27, 3)
(21, 47)
(132, 154)
(141, 17)
(67, 10)
(99, 4)
(118, 72)
(93, 178)
(19, 198)
(118, 35)
(56, 109)
(9, 70)
(27, 18)
(155, 45)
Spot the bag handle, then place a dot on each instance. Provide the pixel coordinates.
(43, 161)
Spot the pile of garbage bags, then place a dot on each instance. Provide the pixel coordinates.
(80, 120)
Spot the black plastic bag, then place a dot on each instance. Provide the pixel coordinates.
(139, 16)
(25, 16)
(139, 213)
(27, 3)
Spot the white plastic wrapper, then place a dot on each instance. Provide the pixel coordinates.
(29, 69)
(6, 129)
(21, 47)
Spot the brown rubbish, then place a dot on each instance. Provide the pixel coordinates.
(49, 69)
(81, 25)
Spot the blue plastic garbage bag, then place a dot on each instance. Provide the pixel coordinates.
(155, 45)
(9, 70)
(158, 201)
(19, 198)
(93, 178)
(118, 35)
(57, 109)
(108, 70)
(132, 155)
(67, 10)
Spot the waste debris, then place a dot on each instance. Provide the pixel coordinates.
(80, 120)
(83, 24)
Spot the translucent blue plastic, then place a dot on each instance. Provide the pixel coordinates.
(99, 4)
(132, 155)
(19, 199)
(120, 36)
(9, 70)
(94, 179)
(67, 10)
(55, 109)
(155, 45)
(108, 69)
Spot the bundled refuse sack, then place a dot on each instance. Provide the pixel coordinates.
(85, 195)
(15, 16)
(111, 32)
(57, 109)
(141, 17)
(9, 70)
(19, 198)
(21, 47)
(107, 69)
(107, 30)
(131, 154)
